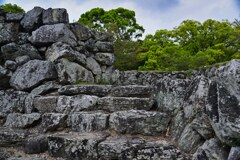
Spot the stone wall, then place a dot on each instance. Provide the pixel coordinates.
(45, 115)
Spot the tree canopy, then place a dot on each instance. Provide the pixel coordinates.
(12, 8)
(190, 45)
(120, 22)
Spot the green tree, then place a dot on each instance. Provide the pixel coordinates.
(120, 22)
(12, 8)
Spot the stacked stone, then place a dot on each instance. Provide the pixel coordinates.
(55, 50)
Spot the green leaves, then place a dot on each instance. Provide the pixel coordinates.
(12, 8)
(120, 22)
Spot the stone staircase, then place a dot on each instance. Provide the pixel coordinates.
(90, 122)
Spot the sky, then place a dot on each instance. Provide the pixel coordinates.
(151, 14)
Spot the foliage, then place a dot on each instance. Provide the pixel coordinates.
(12, 8)
(120, 22)
(190, 45)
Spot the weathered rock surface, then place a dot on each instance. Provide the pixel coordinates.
(70, 72)
(35, 144)
(132, 91)
(18, 120)
(234, 153)
(67, 104)
(211, 149)
(112, 104)
(223, 103)
(60, 50)
(82, 33)
(12, 101)
(11, 137)
(75, 146)
(53, 16)
(12, 50)
(14, 17)
(48, 34)
(11, 65)
(22, 60)
(8, 32)
(103, 47)
(88, 121)
(5, 76)
(93, 66)
(45, 104)
(33, 19)
(98, 90)
(32, 74)
(139, 122)
(105, 58)
(53, 122)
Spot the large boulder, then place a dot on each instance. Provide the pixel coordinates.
(61, 50)
(139, 122)
(12, 101)
(223, 107)
(53, 122)
(53, 16)
(82, 33)
(18, 120)
(93, 66)
(45, 104)
(32, 74)
(48, 34)
(67, 104)
(70, 72)
(32, 19)
(12, 51)
(35, 144)
(105, 58)
(103, 47)
(8, 32)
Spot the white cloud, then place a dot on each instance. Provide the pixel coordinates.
(151, 19)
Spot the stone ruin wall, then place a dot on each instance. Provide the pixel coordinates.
(48, 112)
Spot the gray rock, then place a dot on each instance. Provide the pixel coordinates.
(60, 50)
(8, 32)
(53, 16)
(102, 36)
(103, 47)
(12, 137)
(25, 158)
(22, 60)
(234, 153)
(105, 58)
(5, 76)
(70, 72)
(196, 97)
(82, 33)
(12, 101)
(110, 75)
(117, 148)
(67, 104)
(189, 140)
(53, 122)
(124, 103)
(32, 74)
(10, 65)
(32, 19)
(223, 107)
(170, 94)
(45, 104)
(18, 120)
(14, 17)
(98, 90)
(23, 38)
(35, 144)
(211, 150)
(48, 34)
(75, 146)
(132, 91)
(202, 125)
(88, 121)
(12, 50)
(93, 66)
(45, 88)
(139, 122)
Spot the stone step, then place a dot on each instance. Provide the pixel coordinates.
(112, 104)
(102, 146)
(98, 90)
(132, 91)
(139, 122)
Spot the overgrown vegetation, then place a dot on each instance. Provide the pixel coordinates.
(12, 8)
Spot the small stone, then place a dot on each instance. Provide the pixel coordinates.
(53, 122)
(10, 65)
